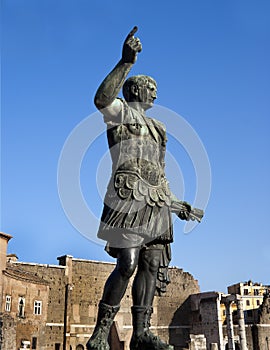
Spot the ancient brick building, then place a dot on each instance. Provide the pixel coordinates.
(55, 306)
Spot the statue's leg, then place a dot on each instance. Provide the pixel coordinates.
(144, 286)
(116, 285)
(143, 294)
(114, 290)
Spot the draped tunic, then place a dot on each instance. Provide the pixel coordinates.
(137, 204)
(138, 199)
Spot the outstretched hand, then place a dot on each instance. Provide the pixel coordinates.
(185, 211)
(131, 47)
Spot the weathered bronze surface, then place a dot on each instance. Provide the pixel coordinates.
(136, 220)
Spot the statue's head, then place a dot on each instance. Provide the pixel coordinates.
(140, 88)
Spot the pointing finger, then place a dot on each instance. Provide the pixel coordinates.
(133, 31)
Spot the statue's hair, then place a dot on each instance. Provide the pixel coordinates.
(139, 80)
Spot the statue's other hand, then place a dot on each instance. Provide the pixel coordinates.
(131, 47)
(184, 211)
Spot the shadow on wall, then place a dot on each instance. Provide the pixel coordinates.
(114, 341)
(179, 328)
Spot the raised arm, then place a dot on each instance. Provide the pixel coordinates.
(111, 85)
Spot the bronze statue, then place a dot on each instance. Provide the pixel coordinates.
(136, 219)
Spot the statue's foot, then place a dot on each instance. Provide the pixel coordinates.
(98, 341)
(148, 341)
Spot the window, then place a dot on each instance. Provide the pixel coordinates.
(57, 346)
(256, 291)
(258, 302)
(247, 302)
(249, 313)
(37, 307)
(34, 343)
(245, 291)
(21, 306)
(8, 303)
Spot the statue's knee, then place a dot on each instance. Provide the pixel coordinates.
(126, 270)
(151, 262)
(128, 262)
(154, 264)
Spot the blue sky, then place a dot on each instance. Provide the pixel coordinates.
(211, 61)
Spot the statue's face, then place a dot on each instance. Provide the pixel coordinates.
(147, 95)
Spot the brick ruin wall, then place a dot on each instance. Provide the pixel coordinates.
(171, 319)
(87, 279)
